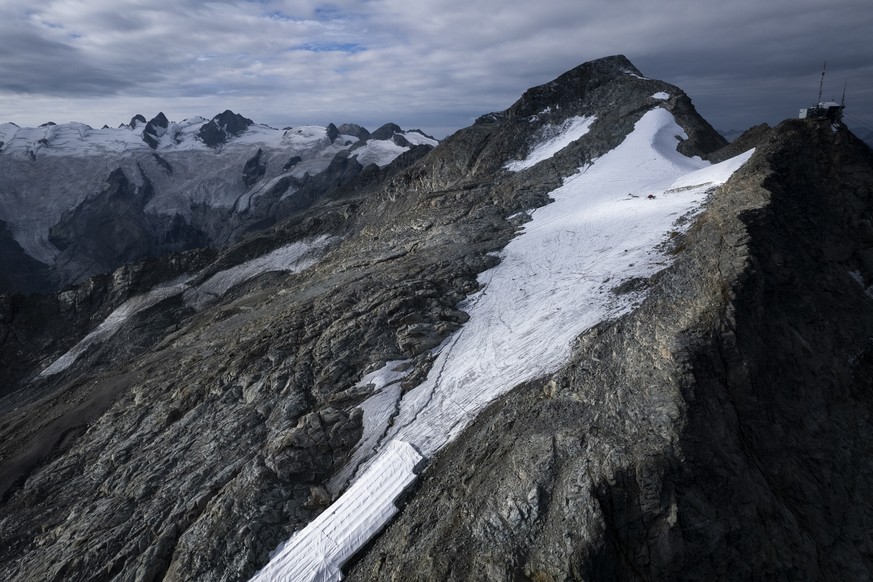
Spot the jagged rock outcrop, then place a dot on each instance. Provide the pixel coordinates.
(387, 131)
(224, 125)
(198, 439)
(254, 169)
(355, 130)
(154, 129)
(720, 432)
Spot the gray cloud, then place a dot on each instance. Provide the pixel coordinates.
(435, 63)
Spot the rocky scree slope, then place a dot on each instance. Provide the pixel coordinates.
(192, 455)
(722, 431)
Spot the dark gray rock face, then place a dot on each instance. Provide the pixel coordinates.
(226, 124)
(387, 131)
(254, 169)
(355, 130)
(292, 161)
(720, 432)
(20, 272)
(154, 129)
(332, 132)
(119, 230)
(194, 442)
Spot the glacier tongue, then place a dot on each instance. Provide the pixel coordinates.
(555, 281)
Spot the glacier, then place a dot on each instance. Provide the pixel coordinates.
(555, 280)
(48, 171)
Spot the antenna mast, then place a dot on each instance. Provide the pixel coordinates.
(821, 83)
(843, 102)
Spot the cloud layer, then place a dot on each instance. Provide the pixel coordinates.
(435, 64)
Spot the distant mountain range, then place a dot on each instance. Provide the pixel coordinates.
(77, 201)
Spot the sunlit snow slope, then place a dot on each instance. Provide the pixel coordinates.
(555, 281)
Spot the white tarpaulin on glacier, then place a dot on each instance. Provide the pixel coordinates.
(318, 551)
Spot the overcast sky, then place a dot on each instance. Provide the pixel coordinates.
(434, 64)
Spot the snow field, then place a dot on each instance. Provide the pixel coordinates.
(555, 279)
(562, 136)
(553, 283)
(293, 257)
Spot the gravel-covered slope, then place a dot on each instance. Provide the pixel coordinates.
(720, 432)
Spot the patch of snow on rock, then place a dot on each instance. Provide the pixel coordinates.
(114, 321)
(293, 257)
(660, 95)
(561, 137)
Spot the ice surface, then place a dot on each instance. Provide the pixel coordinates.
(379, 152)
(418, 138)
(383, 152)
(554, 282)
(559, 138)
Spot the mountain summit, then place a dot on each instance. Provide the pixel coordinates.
(580, 339)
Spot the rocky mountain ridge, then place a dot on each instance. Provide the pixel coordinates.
(199, 437)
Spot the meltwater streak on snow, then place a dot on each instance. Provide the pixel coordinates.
(553, 283)
(567, 133)
(292, 257)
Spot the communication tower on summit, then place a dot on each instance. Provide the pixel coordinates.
(825, 109)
